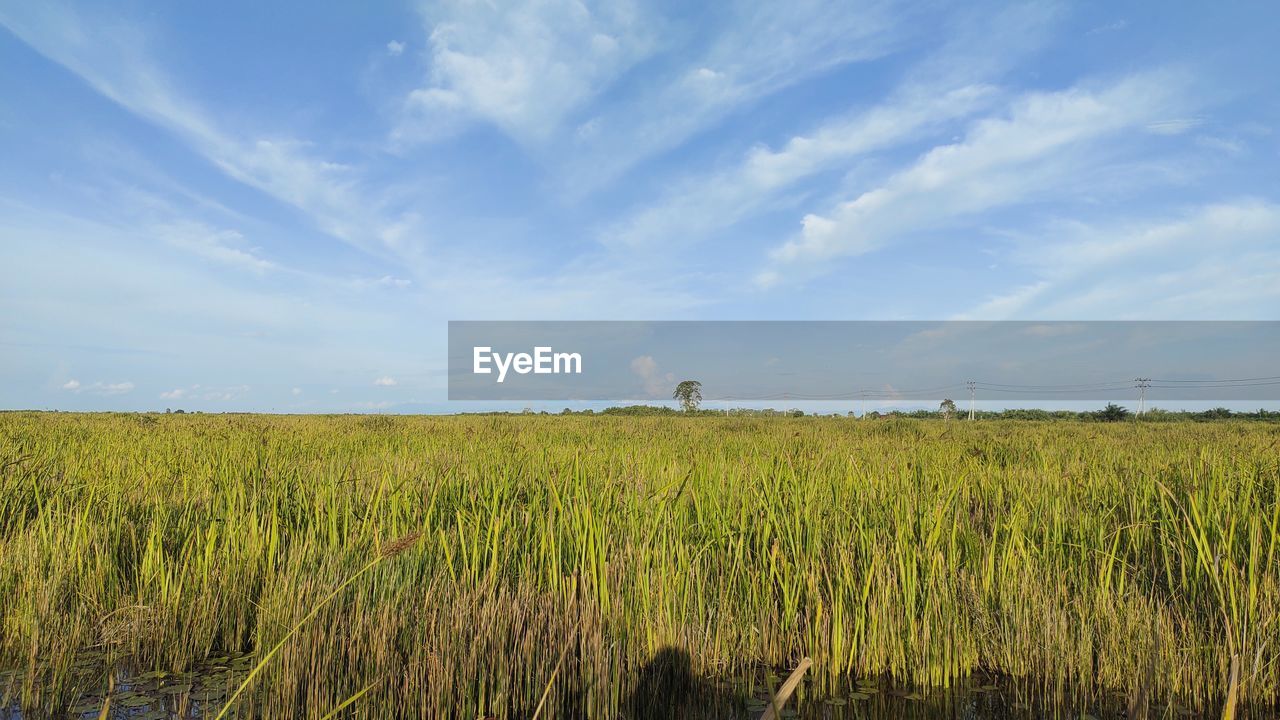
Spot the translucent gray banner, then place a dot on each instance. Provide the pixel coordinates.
(872, 360)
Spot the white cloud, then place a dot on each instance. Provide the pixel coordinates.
(948, 85)
(656, 383)
(523, 68)
(1228, 146)
(119, 388)
(99, 388)
(1040, 146)
(112, 58)
(752, 50)
(296, 391)
(80, 291)
(1113, 26)
(202, 392)
(766, 279)
(391, 281)
(395, 48)
(1174, 126)
(385, 381)
(1211, 262)
(212, 244)
(225, 394)
(538, 72)
(709, 202)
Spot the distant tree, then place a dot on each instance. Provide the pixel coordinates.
(1112, 413)
(947, 408)
(689, 393)
(640, 410)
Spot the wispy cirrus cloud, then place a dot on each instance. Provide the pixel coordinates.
(113, 291)
(1042, 144)
(544, 73)
(751, 51)
(706, 203)
(1174, 126)
(111, 56)
(954, 82)
(205, 393)
(98, 388)
(337, 198)
(1113, 26)
(1211, 262)
(222, 246)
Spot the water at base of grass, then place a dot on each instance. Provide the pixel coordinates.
(159, 695)
(151, 695)
(973, 698)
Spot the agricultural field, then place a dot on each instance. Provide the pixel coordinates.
(544, 566)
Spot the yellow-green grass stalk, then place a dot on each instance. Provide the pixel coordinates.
(1084, 557)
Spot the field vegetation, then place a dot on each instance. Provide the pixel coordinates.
(522, 566)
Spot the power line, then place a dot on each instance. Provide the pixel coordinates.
(861, 393)
(1034, 391)
(1083, 386)
(1141, 383)
(1238, 380)
(1209, 386)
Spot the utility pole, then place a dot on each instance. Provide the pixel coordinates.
(973, 391)
(1142, 384)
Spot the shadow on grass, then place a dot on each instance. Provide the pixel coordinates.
(667, 689)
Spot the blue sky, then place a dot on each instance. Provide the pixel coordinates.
(274, 206)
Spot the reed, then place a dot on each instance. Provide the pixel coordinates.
(558, 555)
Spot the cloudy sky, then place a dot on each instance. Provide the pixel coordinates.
(268, 206)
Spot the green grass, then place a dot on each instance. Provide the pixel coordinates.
(1086, 557)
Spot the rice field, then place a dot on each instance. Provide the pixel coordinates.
(535, 566)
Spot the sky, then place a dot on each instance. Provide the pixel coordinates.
(279, 206)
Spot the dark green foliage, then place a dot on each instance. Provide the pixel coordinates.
(1112, 413)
